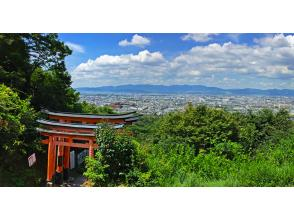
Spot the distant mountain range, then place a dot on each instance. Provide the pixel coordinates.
(183, 89)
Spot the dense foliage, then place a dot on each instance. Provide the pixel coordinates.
(33, 65)
(204, 146)
(18, 139)
(114, 160)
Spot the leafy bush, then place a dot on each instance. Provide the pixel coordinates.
(116, 156)
(16, 118)
(271, 166)
(263, 127)
(95, 170)
(18, 139)
(218, 167)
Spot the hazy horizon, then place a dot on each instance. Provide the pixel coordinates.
(234, 88)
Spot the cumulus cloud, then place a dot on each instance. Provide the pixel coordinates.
(75, 47)
(198, 37)
(122, 69)
(143, 57)
(270, 58)
(136, 40)
(278, 40)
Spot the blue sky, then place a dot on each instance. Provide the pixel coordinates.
(223, 60)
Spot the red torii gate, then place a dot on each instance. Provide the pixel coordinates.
(65, 130)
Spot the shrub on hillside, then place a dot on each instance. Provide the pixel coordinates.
(116, 156)
(18, 139)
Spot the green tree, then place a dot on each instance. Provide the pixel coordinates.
(18, 139)
(117, 157)
(16, 117)
(263, 127)
(33, 65)
(199, 126)
(14, 62)
(50, 91)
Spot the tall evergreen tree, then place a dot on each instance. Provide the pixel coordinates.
(33, 65)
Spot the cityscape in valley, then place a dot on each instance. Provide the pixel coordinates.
(159, 104)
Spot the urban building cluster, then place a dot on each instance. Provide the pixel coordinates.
(161, 104)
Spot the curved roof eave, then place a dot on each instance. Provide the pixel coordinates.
(73, 125)
(65, 133)
(79, 115)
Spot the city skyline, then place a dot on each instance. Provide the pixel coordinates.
(262, 61)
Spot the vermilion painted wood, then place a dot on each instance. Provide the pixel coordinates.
(86, 120)
(70, 129)
(50, 164)
(66, 157)
(54, 157)
(75, 136)
(77, 145)
(59, 167)
(91, 149)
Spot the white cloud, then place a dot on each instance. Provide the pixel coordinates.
(279, 40)
(75, 47)
(198, 37)
(143, 57)
(136, 40)
(121, 69)
(268, 59)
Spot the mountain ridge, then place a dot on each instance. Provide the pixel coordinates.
(182, 89)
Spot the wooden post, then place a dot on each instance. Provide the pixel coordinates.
(66, 161)
(91, 148)
(51, 162)
(66, 157)
(54, 156)
(59, 168)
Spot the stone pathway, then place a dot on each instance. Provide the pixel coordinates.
(75, 180)
(78, 181)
